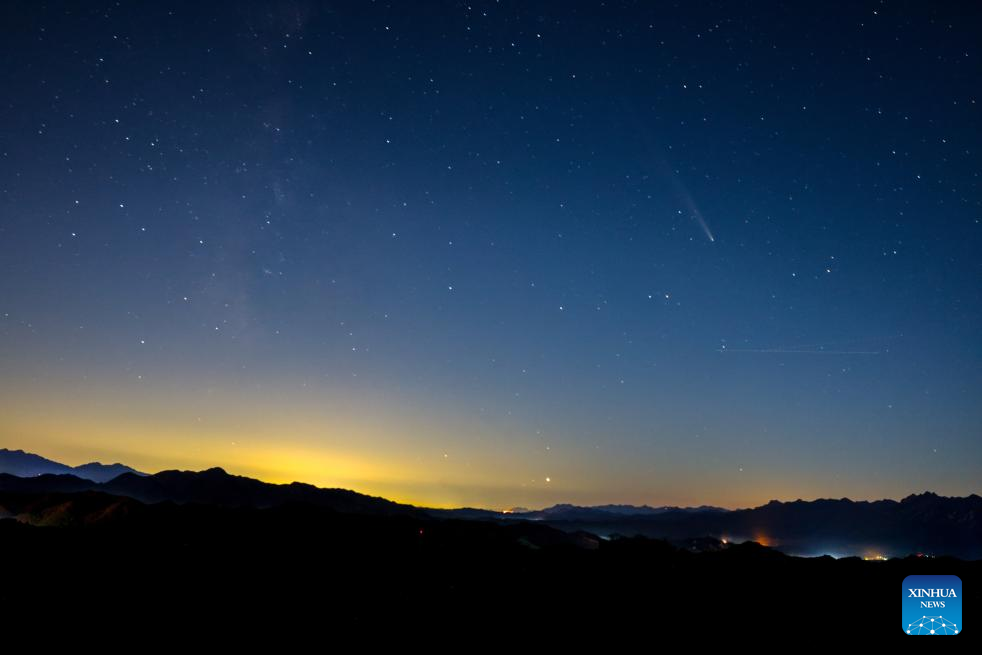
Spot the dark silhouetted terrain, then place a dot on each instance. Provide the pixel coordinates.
(303, 567)
(925, 523)
(208, 546)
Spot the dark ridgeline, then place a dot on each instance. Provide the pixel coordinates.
(210, 487)
(212, 546)
(924, 523)
(18, 462)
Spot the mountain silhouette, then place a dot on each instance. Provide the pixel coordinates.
(925, 523)
(22, 464)
(210, 487)
(214, 486)
(286, 566)
(920, 523)
(217, 547)
(568, 512)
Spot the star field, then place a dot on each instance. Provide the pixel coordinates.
(498, 253)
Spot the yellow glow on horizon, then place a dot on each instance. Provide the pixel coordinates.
(372, 444)
(371, 456)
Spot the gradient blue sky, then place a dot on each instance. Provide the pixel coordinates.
(460, 253)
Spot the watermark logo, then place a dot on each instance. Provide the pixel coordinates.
(932, 605)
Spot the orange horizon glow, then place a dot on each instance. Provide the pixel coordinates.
(401, 454)
(327, 470)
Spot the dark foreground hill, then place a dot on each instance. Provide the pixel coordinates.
(298, 568)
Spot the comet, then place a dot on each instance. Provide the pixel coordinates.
(661, 163)
(702, 223)
(691, 206)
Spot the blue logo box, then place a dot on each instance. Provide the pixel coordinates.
(932, 605)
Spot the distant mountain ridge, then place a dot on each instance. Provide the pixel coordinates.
(213, 487)
(568, 512)
(926, 522)
(24, 472)
(180, 486)
(28, 465)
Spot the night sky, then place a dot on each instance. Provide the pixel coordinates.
(498, 253)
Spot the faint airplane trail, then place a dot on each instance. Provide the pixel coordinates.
(826, 348)
(794, 351)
